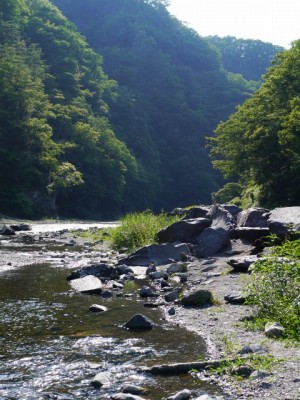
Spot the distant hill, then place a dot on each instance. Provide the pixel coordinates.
(248, 57)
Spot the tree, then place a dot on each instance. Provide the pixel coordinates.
(259, 144)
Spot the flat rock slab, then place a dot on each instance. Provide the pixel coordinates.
(157, 253)
(88, 284)
(241, 264)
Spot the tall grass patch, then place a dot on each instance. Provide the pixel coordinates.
(139, 229)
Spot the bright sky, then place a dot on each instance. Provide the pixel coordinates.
(274, 21)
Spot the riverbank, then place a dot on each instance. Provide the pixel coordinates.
(220, 325)
(226, 335)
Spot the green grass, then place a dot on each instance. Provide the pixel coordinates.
(139, 229)
(274, 289)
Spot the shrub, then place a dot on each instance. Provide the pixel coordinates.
(274, 288)
(139, 229)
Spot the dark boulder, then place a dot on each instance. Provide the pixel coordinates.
(99, 270)
(139, 322)
(199, 298)
(21, 227)
(183, 231)
(217, 236)
(211, 241)
(6, 230)
(256, 236)
(221, 218)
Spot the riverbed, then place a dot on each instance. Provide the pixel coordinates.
(52, 345)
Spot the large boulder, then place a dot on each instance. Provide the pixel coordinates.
(6, 230)
(221, 218)
(89, 284)
(217, 236)
(159, 254)
(253, 217)
(285, 220)
(21, 227)
(211, 241)
(251, 234)
(183, 231)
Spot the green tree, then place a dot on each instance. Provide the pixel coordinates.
(259, 144)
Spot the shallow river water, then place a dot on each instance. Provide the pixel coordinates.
(52, 346)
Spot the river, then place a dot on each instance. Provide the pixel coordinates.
(52, 346)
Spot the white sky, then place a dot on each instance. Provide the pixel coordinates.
(274, 21)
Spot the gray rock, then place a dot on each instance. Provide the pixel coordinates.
(98, 270)
(146, 291)
(289, 216)
(221, 218)
(107, 294)
(183, 231)
(151, 269)
(235, 298)
(251, 235)
(253, 217)
(174, 268)
(172, 296)
(124, 270)
(139, 322)
(88, 284)
(211, 241)
(260, 374)
(114, 285)
(132, 389)
(97, 308)
(274, 330)
(183, 277)
(233, 209)
(159, 254)
(241, 264)
(242, 370)
(101, 379)
(254, 348)
(155, 275)
(198, 298)
(126, 396)
(182, 395)
(172, 311)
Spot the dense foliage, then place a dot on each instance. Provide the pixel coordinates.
(259, 145)
(55, 136)
(76, 142)
(274, 288)
(173, 92)
(248, 57)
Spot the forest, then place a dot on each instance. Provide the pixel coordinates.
(110, 107)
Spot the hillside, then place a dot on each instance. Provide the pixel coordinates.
(113, 121)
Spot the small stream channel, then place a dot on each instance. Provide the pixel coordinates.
(52, 346)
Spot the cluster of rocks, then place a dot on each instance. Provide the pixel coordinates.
(202, 234)
(10, 230)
